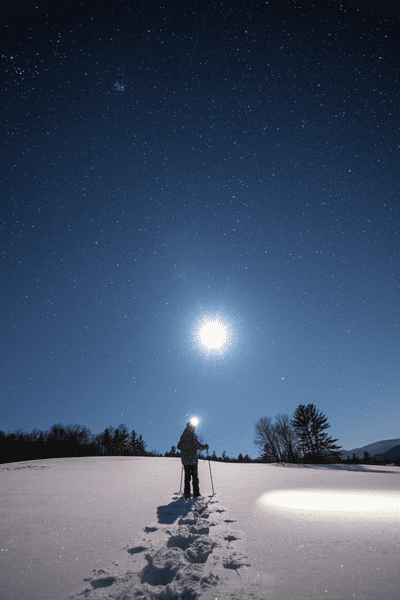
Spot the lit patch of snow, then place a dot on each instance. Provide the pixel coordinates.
(333, 504)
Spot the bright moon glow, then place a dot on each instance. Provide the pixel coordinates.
(213, 334)
(330, 505)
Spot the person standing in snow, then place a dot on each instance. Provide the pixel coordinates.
(189, 446)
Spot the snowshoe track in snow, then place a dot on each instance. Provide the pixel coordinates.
(189, 555)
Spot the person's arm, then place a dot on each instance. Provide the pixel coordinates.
(201, 446)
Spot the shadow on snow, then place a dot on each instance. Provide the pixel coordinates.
(179, 507)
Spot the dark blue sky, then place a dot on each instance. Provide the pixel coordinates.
(166, 163)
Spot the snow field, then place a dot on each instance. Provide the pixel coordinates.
(117, 528)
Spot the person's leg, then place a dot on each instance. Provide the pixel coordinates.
(196, 490)
(187, 480)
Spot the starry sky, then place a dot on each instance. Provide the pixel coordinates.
(165, 164)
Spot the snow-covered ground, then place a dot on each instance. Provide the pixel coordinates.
(116, 527)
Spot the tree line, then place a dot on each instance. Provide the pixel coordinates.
(62, 441)
(302, 439)
(367, 459)
(224, 458)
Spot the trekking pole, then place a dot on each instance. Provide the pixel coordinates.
(212, 485)
(180, 487)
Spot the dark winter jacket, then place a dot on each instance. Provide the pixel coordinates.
(189, 446)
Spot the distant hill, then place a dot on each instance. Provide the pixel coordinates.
(392, 454)
(375, 449)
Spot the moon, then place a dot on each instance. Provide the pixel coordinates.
(213, 334)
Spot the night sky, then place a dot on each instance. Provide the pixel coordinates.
(170, 164)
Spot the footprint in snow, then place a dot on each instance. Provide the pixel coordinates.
(103, 582)
(231, 538)
(136, 550)
(233, 562)
(190, 554)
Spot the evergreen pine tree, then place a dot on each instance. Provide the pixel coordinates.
(121, 436)
(141, 446)
(310, 425)
(132, 442)
(106, 440)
